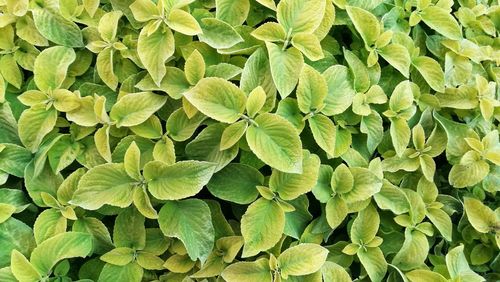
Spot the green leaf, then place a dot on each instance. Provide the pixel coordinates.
(14, 159)
(374, 263)
(359, 71)
(232, 134)
(309, 45)
(372, 125)
(302, 259)
(270, 31)
(154, 50)
(135, 108)
(365, 23)
(183, 22)
(365, 185)
(62, 246)
(311, 90)
(34, 124)
(458, 267)
(441, 221)
(56, 28)
(11, 71)
(119, 256)
(131, 272)
(132, 161)
(261, 226)
(51, 67)
(336, 211)
(431, 71)
(248, 271)
(105, 68)
(232, 12)
(291, 185)
(19, 236)
(398, 57)
(468, 175)
(300, 16)
(256, 101)
(400, 133)
(218, 34)
(218, 99)
(276, 142)
(48, 224)
(340, 90)
(480, 216)
(285, 67)
(365, 226)
(189, 221)
(143, 10)
(334, 273)
(194, 67)
(323, 130)
(180, 180)
(241, 189)
(104, 184)
(129, 230)
(22, 269)
(414, 251)
(440, 20)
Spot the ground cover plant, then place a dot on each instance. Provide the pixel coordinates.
(249, 140)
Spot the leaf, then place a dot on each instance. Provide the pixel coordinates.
(51, 67)
(285, 68)
(334, 272)
(414, 251)
(261, 226)
(256, 101)
(372, 125)
(132, 161)
(309, 45)
(400, 133)
(65, 245)
(154, 49)
(218, 34)
(194, 67)
(302, 259)
(365, 226)
(49, 223)
(468, 175)
(340, 90)
(241, 189)
(232, 134)
(365, 185)
(180, 180)
(104, 184)
(291, 185)
(14, 159)
(300, 16)
(22, 269)
(323, 130)
(458, 266)
(189, 221)
(218, 99)
(431, 71)
(480, 216)
(34, 124)
(311, 90)
(118, 256)
(336, 211)
(143, 10)
(270, 31)
(374, 263)
(232, 12)
(131, 272)
(135, 108)
(183, 22)
(398, 57)
(105, 68)
(441, 221)
(56, 28)
(276, 142)
(418, 275)
(365, 23)
(358, 70)
(248, 271)
(440, 20)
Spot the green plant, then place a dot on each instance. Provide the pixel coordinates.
(249, 140)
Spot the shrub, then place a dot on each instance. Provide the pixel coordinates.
(249, 140)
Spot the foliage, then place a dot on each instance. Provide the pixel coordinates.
(249, 140)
